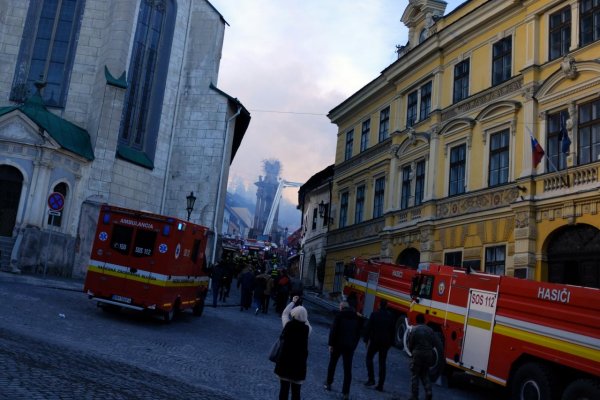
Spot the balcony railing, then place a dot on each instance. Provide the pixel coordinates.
(572, 177)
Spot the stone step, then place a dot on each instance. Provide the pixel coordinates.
(6, 246)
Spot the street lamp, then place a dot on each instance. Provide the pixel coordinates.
(321, 209)
(191, 200)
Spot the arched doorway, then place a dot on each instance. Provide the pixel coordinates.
(11, 182)
(409, 257)
(574, 256)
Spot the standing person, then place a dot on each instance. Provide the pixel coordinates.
(282, 291)
(260, 284)
(226, 281)
(344, 336)
(245, 283)
(421, 341)
(267, 293)
(291, 366)
(379, 335)
(216, 278)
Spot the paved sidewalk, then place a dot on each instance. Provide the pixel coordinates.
(44, 281)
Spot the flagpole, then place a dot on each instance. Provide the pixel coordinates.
(550, 161)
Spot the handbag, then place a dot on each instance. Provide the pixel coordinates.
(275, 351)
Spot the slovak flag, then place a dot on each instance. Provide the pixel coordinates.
(538, 152)
(564, 139)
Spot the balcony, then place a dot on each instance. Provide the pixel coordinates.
(576, 178)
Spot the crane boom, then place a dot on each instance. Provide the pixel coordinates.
(282, 184)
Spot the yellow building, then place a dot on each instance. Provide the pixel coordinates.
(435, 160)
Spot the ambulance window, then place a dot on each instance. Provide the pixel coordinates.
(144, 243)
(426, 286)
(196, 250)
(120, 239)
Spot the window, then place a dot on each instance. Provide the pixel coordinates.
(349, 144)
(590, 21)
(364, 136)
(120, 239)
(414, 112)
(453, 258)
(502, 60)
(146, 81)
(588, 140)
(411, 108)
(47, 50)
(405, 195)
(425, 101)
(461, 81)
(338, 277)
(56, 220)
(344, 210)
(384, 124)
(420, 182)
(144, 243)
(555, 156)
(457, 170)
(495, 259)
(360, 204)
(499, 157)
(314, 218)
(560, 33)
(378, 198)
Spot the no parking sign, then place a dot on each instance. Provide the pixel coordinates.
(56, 202)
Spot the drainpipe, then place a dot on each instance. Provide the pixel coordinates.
(219, 186)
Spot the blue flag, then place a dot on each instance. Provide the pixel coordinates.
(563, 137)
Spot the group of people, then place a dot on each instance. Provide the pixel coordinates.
(344, 335)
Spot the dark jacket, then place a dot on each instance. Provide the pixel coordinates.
(421, 341)
(380, 328)
(345, 330)
(294, 352)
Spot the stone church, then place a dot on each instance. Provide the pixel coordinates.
(108, 102)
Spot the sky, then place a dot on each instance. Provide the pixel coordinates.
(290, 62)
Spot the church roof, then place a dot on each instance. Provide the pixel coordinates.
(68, 135)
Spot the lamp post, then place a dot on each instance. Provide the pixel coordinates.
(321, 209)
(191, 200)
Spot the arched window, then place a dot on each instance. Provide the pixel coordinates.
(146, 81)
(48, 49)
(55, 219)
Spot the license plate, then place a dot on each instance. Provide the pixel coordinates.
(122, 299)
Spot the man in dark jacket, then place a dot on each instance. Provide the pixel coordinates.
(379, 336)
(344, 336)
(421, 342)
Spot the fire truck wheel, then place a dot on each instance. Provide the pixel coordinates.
(438, 361)
(400, 332)
(533, 381)
(198, 308)
(582, 389)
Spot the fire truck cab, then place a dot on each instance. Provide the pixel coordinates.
(147, 262)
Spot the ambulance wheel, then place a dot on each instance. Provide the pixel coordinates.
(582, 389)
(400, 332)
(533, 381)
(198, 308)
(168, 315)
(436, 370)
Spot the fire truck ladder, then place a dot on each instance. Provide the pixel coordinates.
(274, 207)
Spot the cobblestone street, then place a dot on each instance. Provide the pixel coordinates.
(55, 343)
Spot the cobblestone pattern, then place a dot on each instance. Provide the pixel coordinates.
(50, 337)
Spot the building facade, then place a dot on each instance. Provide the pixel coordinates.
(108, 102)
(314, 199)
(439, 159)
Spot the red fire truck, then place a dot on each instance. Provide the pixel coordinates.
(371, 280)
(147, 262)
(540, 339)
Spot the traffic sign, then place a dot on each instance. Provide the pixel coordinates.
(56, 201)
(54, 212)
